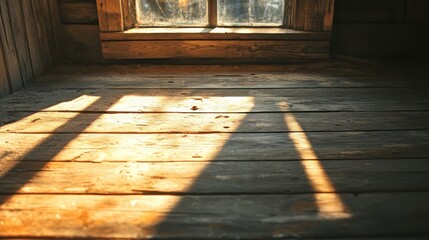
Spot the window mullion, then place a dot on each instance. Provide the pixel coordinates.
(212, 11)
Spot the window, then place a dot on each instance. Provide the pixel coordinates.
(176, 13)
(250, 13)
(215, 29)
(195, 13)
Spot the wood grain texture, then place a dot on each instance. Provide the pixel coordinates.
(9, 48)
(312, 15)
(102, 15)
(208, 147)
(272, 216)
(50, 33)
(118, 80)
(259, 177)
(135, 150)
(44, 122)
(115, 18)
(328, 15)
(222, 100)
(44, 31)
(330, 72)
(4, 77)
(57, 30)
(34, 43)
(128, 14)
(215, 34)
(216, 49)
(83, 12)
(21, 40)
(110, 15)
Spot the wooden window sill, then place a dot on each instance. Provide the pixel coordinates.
(219, 33)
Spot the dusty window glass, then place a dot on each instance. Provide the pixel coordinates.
(250, 12)
(176, 13)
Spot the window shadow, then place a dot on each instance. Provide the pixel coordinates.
(251, 189)
(43, 152)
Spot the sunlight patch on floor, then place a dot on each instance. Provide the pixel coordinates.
(156, 148)
(135, 103)
(330, 205)
(11, 158)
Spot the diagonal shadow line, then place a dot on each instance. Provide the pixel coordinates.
(170, 224)
(60, 141)
(315, 172)
(201, 184)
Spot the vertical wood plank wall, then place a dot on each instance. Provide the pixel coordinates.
(30, 38)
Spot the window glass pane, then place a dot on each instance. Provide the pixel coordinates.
(172, 13)
(250, 12)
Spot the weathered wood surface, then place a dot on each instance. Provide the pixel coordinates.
(57, 30)
(208, 147)
(43, 27)
(259, 177)
(21, 40)
(110, 16)
(28, 45)
(218, 33)
(329, 74)
(9, 48)
(4, 77)
(320, 70)
(46, 122)
(220, 100)
(233, 80)
(219, 154)
(34, 44)
(78, 12)
(236, 49)
(272, 216)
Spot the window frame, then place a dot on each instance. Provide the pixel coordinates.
(307, 26)
(167, 25)
(213, 19)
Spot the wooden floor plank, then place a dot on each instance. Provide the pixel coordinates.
(220, 100)
(209, 152)
(46, 122)
(115, 80)
(214, 177)
(246, 216)
(320, 68)
(208, 147)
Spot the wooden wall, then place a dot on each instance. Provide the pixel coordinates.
(81, 29)
(362, 28)
(30, 35)
(79, 19)
(381, 28)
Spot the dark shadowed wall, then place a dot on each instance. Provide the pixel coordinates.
(381, 28)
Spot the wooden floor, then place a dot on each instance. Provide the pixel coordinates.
(336, 149)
